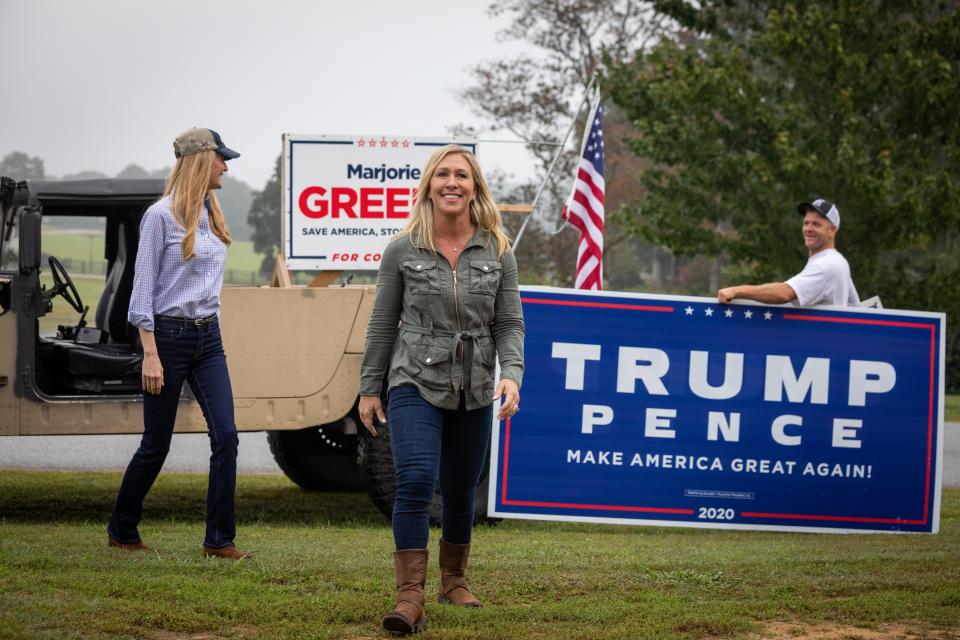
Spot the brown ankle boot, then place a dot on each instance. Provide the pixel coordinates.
(453, 581)
(408, 615)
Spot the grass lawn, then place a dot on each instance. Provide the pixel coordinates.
(89, 287)
(87, 246)
(951, 410)
(323, 570)
(83, 246)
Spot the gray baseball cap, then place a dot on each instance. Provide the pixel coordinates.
(824, 207)
(196, 140)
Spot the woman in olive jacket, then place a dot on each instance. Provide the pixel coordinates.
(447, 306)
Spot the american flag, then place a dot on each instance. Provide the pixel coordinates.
(584, 207)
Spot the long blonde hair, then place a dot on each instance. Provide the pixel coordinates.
(483, 210)
(189, 182)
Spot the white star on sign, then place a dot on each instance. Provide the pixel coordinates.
(748, 314)
(728, 313)
(708, 311)
(767, 315)
(689, 311)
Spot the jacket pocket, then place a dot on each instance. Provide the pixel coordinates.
(484, 277)
(434, 364)
(422, 276)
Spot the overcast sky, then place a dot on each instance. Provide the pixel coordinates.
(98, 84)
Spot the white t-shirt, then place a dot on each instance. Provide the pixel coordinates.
(825, 280)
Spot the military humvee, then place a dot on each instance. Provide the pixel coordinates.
(293, 352)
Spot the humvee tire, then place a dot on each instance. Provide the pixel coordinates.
(376, 464)
(321, 458)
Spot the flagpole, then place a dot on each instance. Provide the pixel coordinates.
(536, 199)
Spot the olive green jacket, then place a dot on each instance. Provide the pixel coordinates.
(441, 328)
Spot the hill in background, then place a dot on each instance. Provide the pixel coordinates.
(235, 198)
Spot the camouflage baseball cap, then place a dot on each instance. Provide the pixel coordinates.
(195, 140)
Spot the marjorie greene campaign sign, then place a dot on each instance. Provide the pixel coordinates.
(347, 195)
(665, 410)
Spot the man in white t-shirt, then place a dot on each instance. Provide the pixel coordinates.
(826, 278)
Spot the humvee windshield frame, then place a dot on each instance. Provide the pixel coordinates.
(102, 360)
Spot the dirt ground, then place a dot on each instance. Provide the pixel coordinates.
(827, 631)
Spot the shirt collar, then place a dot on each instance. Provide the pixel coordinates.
(481, 237)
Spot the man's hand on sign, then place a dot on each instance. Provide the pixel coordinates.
(726, 295)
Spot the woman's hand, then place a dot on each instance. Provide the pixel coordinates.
(511, 399)
(152, 373)
(368, 407)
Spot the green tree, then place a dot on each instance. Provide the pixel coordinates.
(762, 105)
(534, 96)
(134, 171)
(235, 198)
(19, 166)
(264, 220)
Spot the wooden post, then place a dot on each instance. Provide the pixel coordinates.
(325, 278)
(281, 276)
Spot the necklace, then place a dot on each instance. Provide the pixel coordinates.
(455, 247)
(452, 247)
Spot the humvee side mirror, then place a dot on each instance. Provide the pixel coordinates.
(28, 224)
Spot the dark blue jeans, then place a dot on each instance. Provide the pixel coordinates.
(428, 442)
(193, 355)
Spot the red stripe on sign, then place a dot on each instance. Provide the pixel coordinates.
(926, 491)
(885, 323)
(506, 460)
(600, 305)
(807, 516)
(600, 507)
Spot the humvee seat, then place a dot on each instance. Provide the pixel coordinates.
(98, 368)
(111, 314)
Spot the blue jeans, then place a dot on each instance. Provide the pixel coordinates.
(193, 354)
(428, 442)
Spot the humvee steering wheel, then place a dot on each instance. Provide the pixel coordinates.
(63, 285)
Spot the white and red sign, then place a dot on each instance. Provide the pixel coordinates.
(346, 196)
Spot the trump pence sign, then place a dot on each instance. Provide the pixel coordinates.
(665, 410)
(345, 196)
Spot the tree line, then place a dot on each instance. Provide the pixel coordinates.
(235, 196)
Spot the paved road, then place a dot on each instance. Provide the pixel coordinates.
(188, 452)
(191, 452)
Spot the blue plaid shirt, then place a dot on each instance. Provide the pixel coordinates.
(163, 284)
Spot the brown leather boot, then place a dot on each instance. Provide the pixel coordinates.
(127, 546)
(408, 615)
(453, 580)
(230, 553)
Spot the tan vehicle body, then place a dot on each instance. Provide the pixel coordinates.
(294, 357)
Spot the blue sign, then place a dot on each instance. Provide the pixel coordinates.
(679, 411)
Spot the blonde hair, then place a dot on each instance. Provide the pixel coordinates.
(483, 210)
(189, 182)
